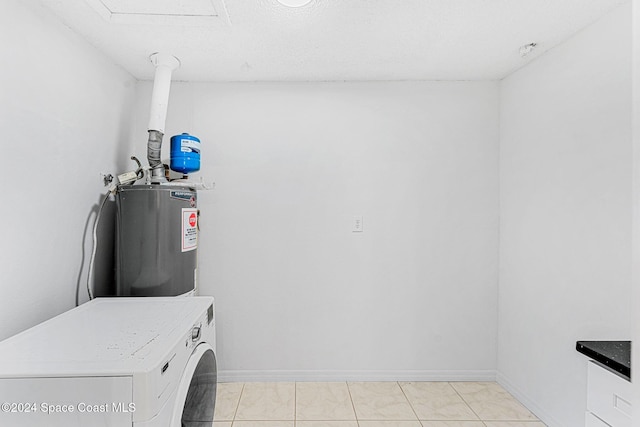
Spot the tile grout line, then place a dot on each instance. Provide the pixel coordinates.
(235, 413)
(409, 402)
(466, 403)
(353, 406)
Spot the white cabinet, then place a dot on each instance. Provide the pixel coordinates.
(608, 398)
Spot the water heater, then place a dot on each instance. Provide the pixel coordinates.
(156, 240)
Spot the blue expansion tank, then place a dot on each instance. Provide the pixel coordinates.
(185, 153)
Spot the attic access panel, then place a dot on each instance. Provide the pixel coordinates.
(167, 12)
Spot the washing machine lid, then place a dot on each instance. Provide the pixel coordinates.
(104, 337)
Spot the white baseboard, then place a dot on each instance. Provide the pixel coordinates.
(301, 376)
(531, 405)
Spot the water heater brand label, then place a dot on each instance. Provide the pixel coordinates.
(184, 195)
(189, 229)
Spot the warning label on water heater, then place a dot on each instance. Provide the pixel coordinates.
(189, 229)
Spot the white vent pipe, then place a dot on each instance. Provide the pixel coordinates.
(165, 64)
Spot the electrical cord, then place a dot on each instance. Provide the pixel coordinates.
(95, 243)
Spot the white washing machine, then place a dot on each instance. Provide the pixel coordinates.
(144, 362)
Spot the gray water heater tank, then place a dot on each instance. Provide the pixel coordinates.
(156, 240)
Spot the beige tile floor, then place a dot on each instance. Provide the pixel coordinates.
(369, 404)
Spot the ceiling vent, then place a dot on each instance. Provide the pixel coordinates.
(163, 12)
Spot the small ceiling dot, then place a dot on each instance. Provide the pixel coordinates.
(527, 49)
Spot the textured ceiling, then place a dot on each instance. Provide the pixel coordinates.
(262, 40)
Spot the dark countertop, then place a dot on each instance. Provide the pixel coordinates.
(615, 355)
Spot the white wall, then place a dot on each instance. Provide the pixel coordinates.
(64, 117)
(300, 296)
(565, 217)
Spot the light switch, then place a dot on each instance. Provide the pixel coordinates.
(357, 224)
